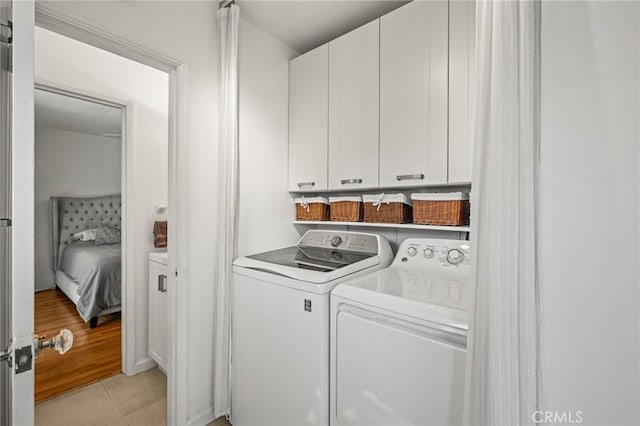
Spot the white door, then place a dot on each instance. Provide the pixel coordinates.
(354, 82)
(308, 120)
(413, 94)
(462, 71)
(17, 203)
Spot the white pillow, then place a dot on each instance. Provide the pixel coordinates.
(86, 235)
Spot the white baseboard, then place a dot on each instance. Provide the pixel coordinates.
(142, 365)
(45, 288)
(202, 419)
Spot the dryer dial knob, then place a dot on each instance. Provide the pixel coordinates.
(455, 257)
(428, 253)
(412, 251)
(335, 241)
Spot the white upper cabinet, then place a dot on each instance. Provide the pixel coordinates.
(354, 79)
(462, 72)
(413, 94)
(308, 120)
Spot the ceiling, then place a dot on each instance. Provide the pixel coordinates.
(61, 112)
(305, 24)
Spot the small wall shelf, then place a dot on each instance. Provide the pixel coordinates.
(384, 225)
(461, 186)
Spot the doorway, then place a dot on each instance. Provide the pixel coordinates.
(78, 282)
(137, 140)
(21, 185)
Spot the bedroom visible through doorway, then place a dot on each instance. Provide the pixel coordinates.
(78, 223)
(141, 95)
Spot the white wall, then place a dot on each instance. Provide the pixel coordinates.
(68, 164)
(266, 209)
(73, 64)
(185, 31)
(590, 209)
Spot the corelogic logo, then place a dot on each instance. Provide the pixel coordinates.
(557, 417)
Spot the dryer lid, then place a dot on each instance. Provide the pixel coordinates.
(434, 298)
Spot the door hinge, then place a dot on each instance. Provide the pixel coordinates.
(5, 223)
(6, 356)
(6, 31)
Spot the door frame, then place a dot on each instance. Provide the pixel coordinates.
(127, 143)
(77, 28)
(22, 208)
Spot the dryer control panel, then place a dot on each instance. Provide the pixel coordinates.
(434, 254)
(433, 270)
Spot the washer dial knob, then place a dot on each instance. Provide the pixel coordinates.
(335, 240)
(412, 251)
(455, 257)
(428, 253)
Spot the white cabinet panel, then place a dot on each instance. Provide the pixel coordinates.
(413, 94)
(462, 72)
(158, 274)
(308, 120)
(354, 79)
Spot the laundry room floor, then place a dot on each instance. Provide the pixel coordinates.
(139, 400)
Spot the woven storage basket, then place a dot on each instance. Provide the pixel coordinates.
(346, 209)
(387, 208)
(441, 208)
(315, 208)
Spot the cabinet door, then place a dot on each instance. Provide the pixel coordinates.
(413, 94)
(158, 313)
(354, 87)
(462, 71)
(308, 120)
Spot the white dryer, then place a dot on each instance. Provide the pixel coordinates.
(280, 325)
(398, 339)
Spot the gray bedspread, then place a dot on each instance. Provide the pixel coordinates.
(97, 270)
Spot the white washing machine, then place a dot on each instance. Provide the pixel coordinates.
(280, 325)
(398, 339)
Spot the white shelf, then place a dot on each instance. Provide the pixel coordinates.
(444, 187)
(385, 225)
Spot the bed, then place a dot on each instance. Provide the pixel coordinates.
(89, 274)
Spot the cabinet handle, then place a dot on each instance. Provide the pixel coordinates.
(346, 181)
(162, 283)
(410, 177)
(304, 184)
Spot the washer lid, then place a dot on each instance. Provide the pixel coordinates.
(309, 264)
(322, 256)
(435, 298)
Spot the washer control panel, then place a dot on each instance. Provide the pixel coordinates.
(434, 253)
(347, 241)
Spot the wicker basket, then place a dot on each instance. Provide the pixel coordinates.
(389, 208)
(346, 209)
(316, 208)
(441, 208)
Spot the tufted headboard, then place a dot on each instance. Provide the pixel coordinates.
(70, 215)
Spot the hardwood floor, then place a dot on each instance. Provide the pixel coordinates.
(95, 355)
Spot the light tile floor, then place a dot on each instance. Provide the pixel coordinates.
(220, 422)
(139, 400)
